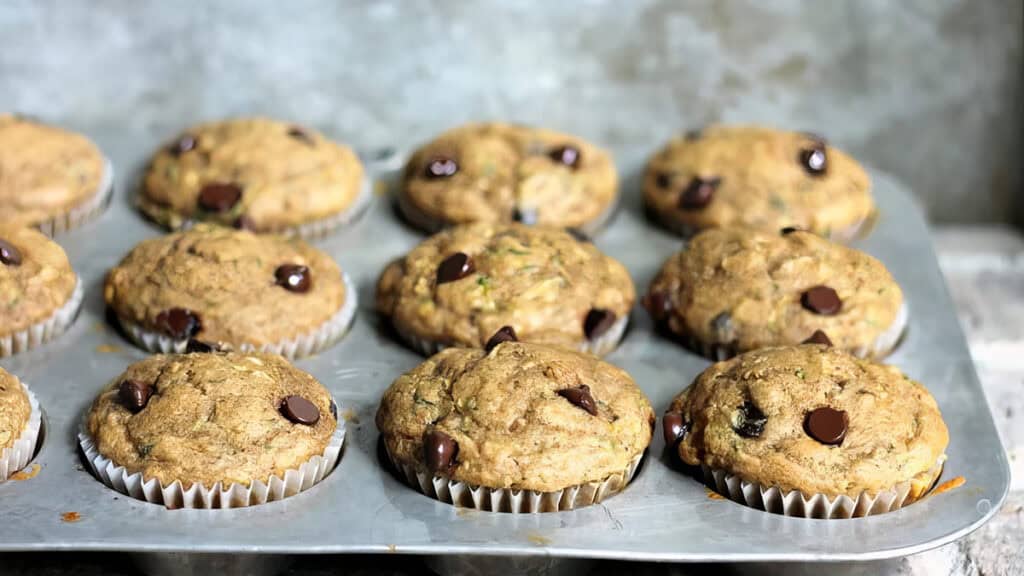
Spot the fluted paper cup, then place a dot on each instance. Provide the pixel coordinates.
(18, 455)
(45, 331)
(85, 211)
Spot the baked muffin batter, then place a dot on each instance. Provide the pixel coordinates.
(14, 410)
(36, 278)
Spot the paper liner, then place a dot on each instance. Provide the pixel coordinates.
(198, 496)
(845, 235)
(91, 208)
(801, 505)
(18, 455)
(514, 501)
(300, 346)
(42, 332)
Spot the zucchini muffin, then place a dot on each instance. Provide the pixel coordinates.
(20, 421)
(810, 431)
(222, 424)
(231, 289)
(39, 292)
(517, 428)
(738, 289)
(495, 172)
(761, 178)
(258, 174)
(462, 286)
(50, 178)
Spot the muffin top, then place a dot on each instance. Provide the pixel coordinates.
(208, 418)
(36, 278)
(229, 287)
(461, 285)
(752, 289)
(811, 418)
(495, 172)
(522, 416)
(253, 173)
(758, 177)
(44, 171)
(14, 410)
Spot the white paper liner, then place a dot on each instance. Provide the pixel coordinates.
(175, 496)
(798, 504)
(91, 208)
(43, 332)
(511, 500)
(18, 455)
(300, 346)
(841, 236)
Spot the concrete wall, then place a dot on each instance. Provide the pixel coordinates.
(927, 89)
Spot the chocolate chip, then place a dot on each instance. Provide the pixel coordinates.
(750, 420)
(441, 167)
(821, 300)
(580, 397)
(694, 134)
(299, 410)
(219, 197)
(439, 451)
(826, 425)
(814, 159)
(134, 394)
(579, 235)
(294, 277)
(658, 304)
(527, 216)
(186, 143)
(244, 222)
(455, 267)
(504, 334)
(818, 337)
(673, 427)
(663, 180)
(199, 347)
(301, 135)
(597, 322)
(567, 155)
(334, 410)
(178, 323)
(9, 255)
(789, 230)
(699, 193)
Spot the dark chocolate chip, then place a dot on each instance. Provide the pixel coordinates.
(244, 222)
(663, 180)
(178, 323)
(597, 322)
(440, 451)
(818, 337)
(567, 155)
(527, 216)
(821, 300)
(698, 193)
(299, 410)
(814, 160)
(658, 304)
(750, 420)
(134, 394)
(789, 230)
(673, 427)
(301, 135)
(334, 410)
(9, 255)
(441, 167)
(580, 397)
(199, 347)
(504, 334)
(579, 235)
(186, 143)
(826, 425)
(455, 267)
(294, 277)
(219, 197)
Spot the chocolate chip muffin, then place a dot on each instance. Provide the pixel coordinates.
(222, 424)
(258, 174)
(852, 436)
(50, 178)
(495, 172)
(564, 427)
(464, 285)
(39, 292)
(737, 289)
(19, 425)
(230, 289)
(758, 177)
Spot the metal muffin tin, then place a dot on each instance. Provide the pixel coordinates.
(363, 508)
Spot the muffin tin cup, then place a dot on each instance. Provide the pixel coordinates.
(86, 211)
(18, 455)
(198, 496)
(514, 501)
(332, 331)
(45, 331)
(820, 506)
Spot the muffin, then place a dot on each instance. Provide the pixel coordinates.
(20, 422)
(230, 289)
(810, 431)
(517, 428)
(464, 285)
(758, 177)
(499, 173)
(39, 292)
(212, 430)
(50, 178)
(737, 289)
(257, 174)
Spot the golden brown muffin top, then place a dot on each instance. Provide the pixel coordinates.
(14, 409)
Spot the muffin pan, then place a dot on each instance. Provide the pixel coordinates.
(363, 507)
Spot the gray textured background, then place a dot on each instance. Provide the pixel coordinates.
(929, 90)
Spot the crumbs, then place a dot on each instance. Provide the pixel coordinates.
(108, 349)
(538, 539)
(28, 473)
(949, 485)
(380, 188)
(70, 517)
(713, 495)
(349, 415)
